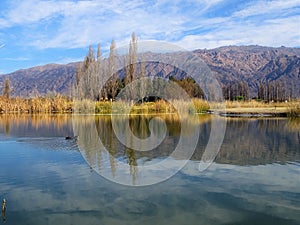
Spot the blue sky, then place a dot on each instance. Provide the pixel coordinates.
(59, 31)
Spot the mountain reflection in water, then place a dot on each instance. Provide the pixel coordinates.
(254, 179)
(246, 142)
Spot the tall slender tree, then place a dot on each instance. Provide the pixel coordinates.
(131, 65)
(86, 87)
(6, 91)
(100, 74)
(99, 56)
(143, 82)
(112, 84)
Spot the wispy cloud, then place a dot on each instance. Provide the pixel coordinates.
(79, 23)
(272, 23)
(268, 7)
(16, 59)
(273, 32)
(27, 12)
(68, 60)
(36, 25)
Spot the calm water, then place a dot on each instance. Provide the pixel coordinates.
(46, 179)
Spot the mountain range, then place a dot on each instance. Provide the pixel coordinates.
(249, 64)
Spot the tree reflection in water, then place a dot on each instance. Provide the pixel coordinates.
(247, 141)
(102, 148)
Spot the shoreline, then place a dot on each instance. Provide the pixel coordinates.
(254, 112)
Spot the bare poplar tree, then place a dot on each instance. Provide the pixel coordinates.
(6, 90)
(131, 64)
(261, 91)
(113, 85)
(87, 79)
(143, 83)
(99, 53)
(101, 92)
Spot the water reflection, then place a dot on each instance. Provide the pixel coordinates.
(3, 210)
(36, 124)
(293, 124)
(259, 141)
(104, 151)
(57, 187)
(246, 142)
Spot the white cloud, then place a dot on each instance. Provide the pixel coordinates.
(67, 60)
(24, 12)
(3, 23)
(16, 59)
(69, 24)
(267, 7)
(276, 32)
(83, 24)
(192, 42)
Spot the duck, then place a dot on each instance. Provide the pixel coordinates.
(71, 138)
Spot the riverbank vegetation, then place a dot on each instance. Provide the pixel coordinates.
(55, 104)
(62, 104)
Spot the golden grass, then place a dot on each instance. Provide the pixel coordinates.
(57, 104)
(161, 106)
(294, 109)
(256, 104)
(291, 109)
(61, 104)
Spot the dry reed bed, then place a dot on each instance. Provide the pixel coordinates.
(61, 104)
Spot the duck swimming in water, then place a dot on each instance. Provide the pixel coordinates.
(71, 138)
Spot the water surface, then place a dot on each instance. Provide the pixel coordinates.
(46, 179)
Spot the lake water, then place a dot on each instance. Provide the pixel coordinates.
(46, 179)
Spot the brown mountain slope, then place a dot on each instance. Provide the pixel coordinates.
(41, 80)
(250, 64)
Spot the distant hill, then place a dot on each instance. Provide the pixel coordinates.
(250, 64)
(41, 80)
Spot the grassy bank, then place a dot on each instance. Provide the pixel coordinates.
(161, 106)
(57, 104)
(61, 104)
